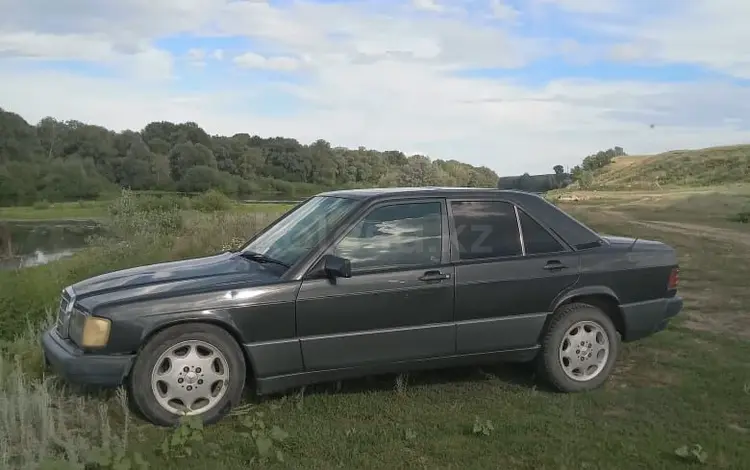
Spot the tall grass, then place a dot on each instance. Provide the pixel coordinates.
(42, 423)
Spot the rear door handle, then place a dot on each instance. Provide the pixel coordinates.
(554, 265)
(434, 276)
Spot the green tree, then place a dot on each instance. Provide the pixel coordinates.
(68, 160)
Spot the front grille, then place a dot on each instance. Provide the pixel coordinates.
(63, 313)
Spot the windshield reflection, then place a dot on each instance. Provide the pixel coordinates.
(291, 238)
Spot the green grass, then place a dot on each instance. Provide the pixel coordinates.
(687, 385)
(57, 211)
(96, 210)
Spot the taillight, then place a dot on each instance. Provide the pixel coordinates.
(674, 279)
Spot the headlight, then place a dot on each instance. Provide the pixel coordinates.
(88, 331)
(95, 332)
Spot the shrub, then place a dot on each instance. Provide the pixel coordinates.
(131, 217)
(43, 204)
(742, 217)
(212, 201)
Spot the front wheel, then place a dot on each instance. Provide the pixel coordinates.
(579, 348)
(188, 370)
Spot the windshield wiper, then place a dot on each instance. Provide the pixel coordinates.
(261, 258)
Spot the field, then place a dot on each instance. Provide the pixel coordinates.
(686, 386)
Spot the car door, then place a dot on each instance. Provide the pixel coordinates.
(398, 303)
(509, 269)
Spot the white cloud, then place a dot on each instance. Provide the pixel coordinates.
(429, 5)
(585, 6)
(712, 33)
(196, 57)
(379, 76)
(252, 60)
(502, 11)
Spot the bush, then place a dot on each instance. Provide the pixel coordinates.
(43, 204)
(136, 217)
(212, 201)
(163, 203)
(742, 217)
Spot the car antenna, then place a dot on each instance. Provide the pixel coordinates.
(633, 244)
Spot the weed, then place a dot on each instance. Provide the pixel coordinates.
(179, 443)
(694, 453)
(299, 402)
(401, 382)
(43, 426)
(265, 437)
(482, 427)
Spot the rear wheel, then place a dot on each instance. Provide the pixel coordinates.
(188, 370)
(579, 348)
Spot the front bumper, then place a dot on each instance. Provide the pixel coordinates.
(78, 367)
(646, 318)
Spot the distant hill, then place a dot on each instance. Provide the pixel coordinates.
(703, 167)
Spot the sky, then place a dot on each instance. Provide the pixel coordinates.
(515, 85)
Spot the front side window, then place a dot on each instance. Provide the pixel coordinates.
(296, 234)
(397, 235)
(486, 229)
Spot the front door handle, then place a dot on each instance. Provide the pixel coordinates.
(554, 265)
(434, 276)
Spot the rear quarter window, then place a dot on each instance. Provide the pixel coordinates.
(537, 240)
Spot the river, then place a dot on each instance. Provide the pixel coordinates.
(36, 243)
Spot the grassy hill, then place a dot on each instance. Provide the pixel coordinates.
(704, 167)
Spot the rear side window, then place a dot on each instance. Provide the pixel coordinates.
(536, 239)
(485, 229)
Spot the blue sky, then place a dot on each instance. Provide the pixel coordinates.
(516, 85)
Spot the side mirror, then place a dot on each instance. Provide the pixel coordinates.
(336, 266)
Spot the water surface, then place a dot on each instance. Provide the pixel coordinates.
(36, 243)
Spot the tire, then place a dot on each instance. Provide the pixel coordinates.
(599, 334)
(221, 378)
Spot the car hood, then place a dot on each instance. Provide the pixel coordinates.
(190, 274)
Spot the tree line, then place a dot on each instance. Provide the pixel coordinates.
(70, 160)
(583, 174)
(57, 160)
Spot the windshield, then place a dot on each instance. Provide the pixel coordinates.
(300, 231)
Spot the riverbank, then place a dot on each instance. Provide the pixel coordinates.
(65, 211)
(686, 386)
(98, 210)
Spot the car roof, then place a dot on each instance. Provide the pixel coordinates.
(435, 191)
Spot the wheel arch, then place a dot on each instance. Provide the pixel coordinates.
(601, 297)
(233, 332)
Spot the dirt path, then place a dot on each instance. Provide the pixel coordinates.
(707, 231)
(720, 234)
(728, 322)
